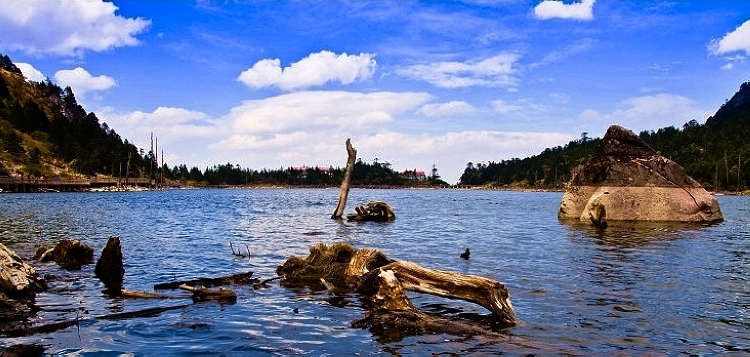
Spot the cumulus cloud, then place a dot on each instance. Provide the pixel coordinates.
(736, 42)
(81, 81)
(496, 71)
(446, 109)
(315, 69)
(310, 128)
(31, 73)
(66, 27)
(550, 9)
(314, 109)
(649, 112)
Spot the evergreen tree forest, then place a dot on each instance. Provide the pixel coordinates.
(715, 154)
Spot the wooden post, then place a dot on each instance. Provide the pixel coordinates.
(344, 193)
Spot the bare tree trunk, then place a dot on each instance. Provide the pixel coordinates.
(344, 193)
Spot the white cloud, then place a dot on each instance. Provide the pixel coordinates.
(452, 108)
(737, 41)
(504, 107)
(81, 81)
(649, 112)
(31, 73)
(307, 110)
(315, 69)
(309, 128)
(185, 133)
(496, 71)
(65, 27)
(550, 9)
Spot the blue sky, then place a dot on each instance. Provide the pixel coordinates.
(271, 84)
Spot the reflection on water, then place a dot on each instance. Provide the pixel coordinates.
(579, 290)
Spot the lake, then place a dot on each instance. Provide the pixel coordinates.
(630, 288)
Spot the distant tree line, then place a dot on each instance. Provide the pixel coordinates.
(715, 153)
(365, 174)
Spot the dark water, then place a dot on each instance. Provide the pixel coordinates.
(632, 289)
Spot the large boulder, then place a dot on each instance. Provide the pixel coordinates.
(626, 180)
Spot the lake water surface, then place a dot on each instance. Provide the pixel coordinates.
(578, 290)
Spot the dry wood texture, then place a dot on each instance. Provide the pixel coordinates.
(344, 193)
(384, 281)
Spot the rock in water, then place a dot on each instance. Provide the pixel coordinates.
(69, 254)
(17, 278)
(626, 180)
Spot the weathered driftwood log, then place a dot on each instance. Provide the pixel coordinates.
(109, 267)
(393, 314)
(236, 279)
(372, 274)
(201, 293)
(377, 211)
(344, 193)
(487, 293)
(69, 254)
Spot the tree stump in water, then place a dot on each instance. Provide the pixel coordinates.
(344, 192)
(383, 281)
(109, 267)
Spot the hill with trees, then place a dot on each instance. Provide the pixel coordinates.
(711, 153)
(45, 133)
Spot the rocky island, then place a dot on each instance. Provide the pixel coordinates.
(627, 180)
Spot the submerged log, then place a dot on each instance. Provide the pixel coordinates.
(132, 294)
(236, 279)
(344, 193)
(201, 293)
(377, 211)
(109, 267)
(369, 272)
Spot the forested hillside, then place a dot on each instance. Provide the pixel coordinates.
(44, 132)
(713, 153)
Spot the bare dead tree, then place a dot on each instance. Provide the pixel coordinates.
(344, 193)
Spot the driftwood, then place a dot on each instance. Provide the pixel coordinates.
(344, 193)
(237, 279)
(377, 211)
(340, 267)
(201, 293)
(132, 294)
